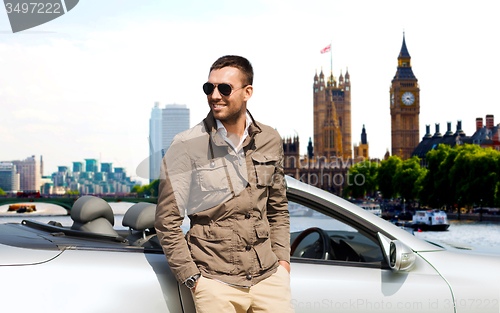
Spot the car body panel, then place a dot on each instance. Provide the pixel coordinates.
(22, 256)
(40, 250)
(106, 281)
(186, 299)
(462, 270)
(340, 288)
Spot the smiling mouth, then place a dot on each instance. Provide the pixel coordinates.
(218, 106)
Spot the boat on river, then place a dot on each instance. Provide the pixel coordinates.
(430, 220)
(372, 207)
(22, 208)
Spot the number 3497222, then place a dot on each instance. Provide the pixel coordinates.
(32, 7)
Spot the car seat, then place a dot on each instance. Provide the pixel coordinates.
(93, 214)
(140, 219)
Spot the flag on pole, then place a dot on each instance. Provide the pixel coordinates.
(326, 49)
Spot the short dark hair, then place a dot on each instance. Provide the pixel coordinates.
(238, 62)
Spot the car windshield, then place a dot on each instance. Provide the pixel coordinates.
(302, 217)
(346, 243)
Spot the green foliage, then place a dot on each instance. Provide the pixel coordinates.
(475, 172)
(136, 189)
(150, 190)
(463, 175)
(2, 193)
(436, 189)
(146, 190)
(154, 188)
(362, 179)
(385, 176)
(72, 192)
(407, 175)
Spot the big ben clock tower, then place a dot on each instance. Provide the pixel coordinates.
(405, 107)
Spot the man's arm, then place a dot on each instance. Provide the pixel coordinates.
(173, 197)
(277, 213)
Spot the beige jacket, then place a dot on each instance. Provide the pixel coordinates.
(236, 203)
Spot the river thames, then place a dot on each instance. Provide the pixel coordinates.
(481, 237)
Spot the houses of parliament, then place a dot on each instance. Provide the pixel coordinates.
(331, 154)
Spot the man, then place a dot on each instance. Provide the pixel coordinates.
(226, 174)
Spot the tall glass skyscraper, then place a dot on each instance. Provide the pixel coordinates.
(9, 178)
(163, 126)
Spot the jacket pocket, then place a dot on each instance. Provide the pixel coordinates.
(212, 248)
(265, 253)
(212, 176)
(265, 167)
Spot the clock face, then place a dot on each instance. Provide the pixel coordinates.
(408, 98)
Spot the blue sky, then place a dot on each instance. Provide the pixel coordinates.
(83, 85)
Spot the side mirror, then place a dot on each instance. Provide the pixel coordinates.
(399, 256)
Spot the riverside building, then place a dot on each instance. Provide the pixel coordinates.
(9, 178)
(89, 181)
(332, 116)
(30, 175)
(486, 136)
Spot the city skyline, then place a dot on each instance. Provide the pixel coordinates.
(27, 175)
(84, 84)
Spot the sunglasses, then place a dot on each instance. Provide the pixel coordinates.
(224, 89)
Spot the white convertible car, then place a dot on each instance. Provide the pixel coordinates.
(344, 259)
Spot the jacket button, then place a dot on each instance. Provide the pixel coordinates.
(248, 247)
(247, 216)
(249, 277)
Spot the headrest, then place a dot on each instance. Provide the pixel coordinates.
(89, 208)
(140, 216)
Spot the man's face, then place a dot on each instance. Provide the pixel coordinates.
(228, 109)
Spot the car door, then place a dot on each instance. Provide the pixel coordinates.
(355, 277)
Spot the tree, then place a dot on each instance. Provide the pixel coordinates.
(407, 175)
(362, 179)
(138, 190)
(436, 189)
(154, 187)
(147, 190)
(135, 189)
(462, 175)
(2, 193)
(475, 175)
(386, 173)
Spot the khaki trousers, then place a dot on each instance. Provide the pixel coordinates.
(273, 294)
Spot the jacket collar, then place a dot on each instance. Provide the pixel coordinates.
(254, 127)
(211, 127)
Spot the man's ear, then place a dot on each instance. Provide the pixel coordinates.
(248, 93)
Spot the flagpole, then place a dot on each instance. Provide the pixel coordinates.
(331, 58)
